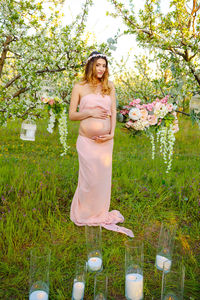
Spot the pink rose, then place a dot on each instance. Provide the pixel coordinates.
(51, 102)
(129, 124)
(124, 111)
(149, 106)
(135, 102)
(152, 119)
(169, 107)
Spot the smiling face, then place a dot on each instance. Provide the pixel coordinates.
(100, 67)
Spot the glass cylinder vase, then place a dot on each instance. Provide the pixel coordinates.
(94, 250)
(173, 281)
(79, 281)
(134, 259)
(39, 274)
(165, 247)
(100, 286)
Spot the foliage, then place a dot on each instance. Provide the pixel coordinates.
(153, 77)
(35, 46)
(173, 34)
(36, 189)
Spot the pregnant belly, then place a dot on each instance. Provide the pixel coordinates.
(91, 127)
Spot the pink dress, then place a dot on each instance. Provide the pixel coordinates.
(91, 201)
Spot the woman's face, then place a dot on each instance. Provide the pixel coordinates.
(100, 67)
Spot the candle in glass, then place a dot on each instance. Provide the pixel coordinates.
(78, 290)
(95, 263)
(38, 295)
(94, 251)
(134, 270)
(134, 286)
(160, 260)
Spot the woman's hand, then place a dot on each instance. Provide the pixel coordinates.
(99, 113)
(103, 138)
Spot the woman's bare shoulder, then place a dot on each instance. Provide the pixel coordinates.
(79, 86)
(111, 84)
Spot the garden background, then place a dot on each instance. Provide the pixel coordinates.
(37, 184)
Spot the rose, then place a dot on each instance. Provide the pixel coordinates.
(44, 100)
(169, 107)
(144, 114)
(134, 102)
(135, 114)
(129, 124)
(51, 102)
(152, 119)
(140, 125)
(160, 110)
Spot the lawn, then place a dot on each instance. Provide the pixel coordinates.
(36, 189)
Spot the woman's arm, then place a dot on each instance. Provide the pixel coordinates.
(73, 114)
(78, 116)
(113, 111)
(106, 137)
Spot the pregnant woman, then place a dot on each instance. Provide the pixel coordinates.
(95, 96)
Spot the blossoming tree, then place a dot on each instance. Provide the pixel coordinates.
(175, 33)
(35, 46)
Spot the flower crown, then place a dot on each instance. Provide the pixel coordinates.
(96, 55)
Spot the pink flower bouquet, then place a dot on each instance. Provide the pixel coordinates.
(139, 117)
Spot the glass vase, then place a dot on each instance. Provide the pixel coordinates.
(134, 259)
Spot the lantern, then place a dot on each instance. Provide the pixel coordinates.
(28, 130)
(195, 104)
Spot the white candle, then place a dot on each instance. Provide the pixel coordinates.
(78, 290)
(38, 295)
(95, 263)
(160, 260)
(134, 286)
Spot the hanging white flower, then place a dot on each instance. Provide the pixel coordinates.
(52, 120)
(152, 139)
(62, 126)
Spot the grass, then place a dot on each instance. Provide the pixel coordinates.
(36, 189)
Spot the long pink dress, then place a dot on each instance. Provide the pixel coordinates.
(91, 201)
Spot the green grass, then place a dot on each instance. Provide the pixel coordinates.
(36, 189)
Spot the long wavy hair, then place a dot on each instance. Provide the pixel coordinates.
(90, 74)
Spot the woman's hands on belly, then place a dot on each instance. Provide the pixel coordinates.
(95, 128)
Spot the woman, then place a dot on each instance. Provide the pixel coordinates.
(95, 96)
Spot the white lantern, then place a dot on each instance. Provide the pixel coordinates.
(195, 104)
(28, 130)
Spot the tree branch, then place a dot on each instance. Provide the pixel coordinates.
(9, 39)
(11, 81)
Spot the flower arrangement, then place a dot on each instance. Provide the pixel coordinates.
(157, 117)
(57, 113)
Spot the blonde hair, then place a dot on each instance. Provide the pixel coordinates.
(90, 72)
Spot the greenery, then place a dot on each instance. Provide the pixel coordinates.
(174, 33)
(37, 186)
(36, 48)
